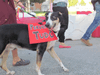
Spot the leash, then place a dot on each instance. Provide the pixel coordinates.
(23, 10)
(35, 16)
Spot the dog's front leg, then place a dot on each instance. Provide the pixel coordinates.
(38, 62)
(55, 56)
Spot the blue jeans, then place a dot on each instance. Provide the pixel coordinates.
(94, 24)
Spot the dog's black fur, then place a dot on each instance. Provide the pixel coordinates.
(18, 34)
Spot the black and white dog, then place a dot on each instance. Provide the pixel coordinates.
(14, 36)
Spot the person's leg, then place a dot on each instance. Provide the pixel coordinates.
(64, 26)
(17, 61)
(91, 28)
(15, 56)
(62, 38)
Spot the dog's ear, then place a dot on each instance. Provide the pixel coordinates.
(60, 15)
(61, 18)
(46, 15)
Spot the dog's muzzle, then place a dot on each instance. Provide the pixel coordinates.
(47, 25)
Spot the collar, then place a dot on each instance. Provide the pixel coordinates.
(55, 31)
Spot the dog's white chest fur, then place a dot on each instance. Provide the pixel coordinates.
(52, 43)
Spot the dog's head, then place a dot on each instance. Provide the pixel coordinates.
(53, 20)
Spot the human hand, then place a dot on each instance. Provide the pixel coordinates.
(22, 9)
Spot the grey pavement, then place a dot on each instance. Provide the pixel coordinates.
(79, 59)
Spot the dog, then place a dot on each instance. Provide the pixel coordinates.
(14, 36)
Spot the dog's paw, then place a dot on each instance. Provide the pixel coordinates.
(40, 74)
(10, 73)
(65, 69)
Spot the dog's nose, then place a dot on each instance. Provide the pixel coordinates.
(47, 25)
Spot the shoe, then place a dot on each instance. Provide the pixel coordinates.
(86, 42)
(61, 46)
(22, 62)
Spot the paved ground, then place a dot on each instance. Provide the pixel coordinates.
(80, 60)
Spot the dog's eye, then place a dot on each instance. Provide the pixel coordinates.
(54, 18)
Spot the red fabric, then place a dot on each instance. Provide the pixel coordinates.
(84, 12)
(6, 10)
(96, 32)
